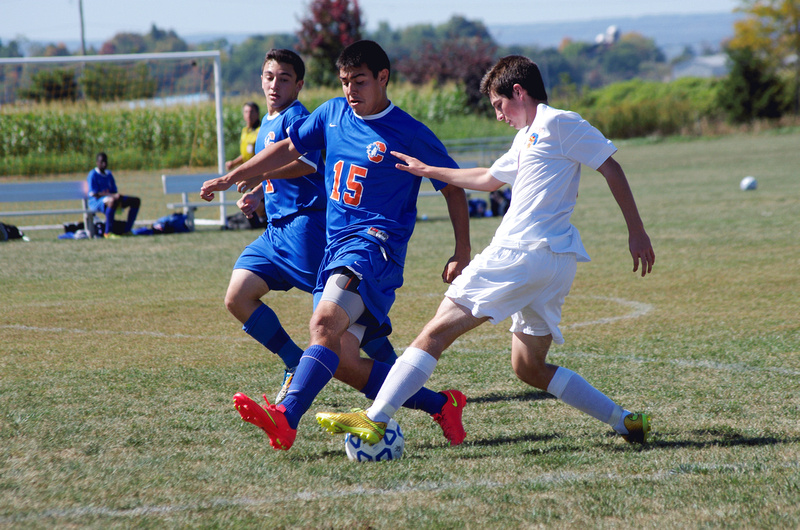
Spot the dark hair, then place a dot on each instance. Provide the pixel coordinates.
(253, 105)
(364, 52)
(514, 70)
(282, 55)
(101, 154)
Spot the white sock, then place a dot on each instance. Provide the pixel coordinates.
(575, 391)
(408, 374)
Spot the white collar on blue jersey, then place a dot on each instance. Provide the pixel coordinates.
(381, 114)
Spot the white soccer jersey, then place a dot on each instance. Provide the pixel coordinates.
(543, 168)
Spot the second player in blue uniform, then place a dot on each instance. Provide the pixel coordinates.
(295, 209)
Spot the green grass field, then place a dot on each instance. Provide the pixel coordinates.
(118, 362)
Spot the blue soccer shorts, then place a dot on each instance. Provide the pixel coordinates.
(379, 275)
(288, 253)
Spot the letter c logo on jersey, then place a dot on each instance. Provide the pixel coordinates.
(375, 151)
(269, 139)
(532, 139)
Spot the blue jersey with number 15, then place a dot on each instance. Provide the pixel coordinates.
(365, 189)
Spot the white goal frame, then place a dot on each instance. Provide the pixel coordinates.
(138, 57)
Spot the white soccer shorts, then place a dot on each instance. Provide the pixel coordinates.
(528, 285)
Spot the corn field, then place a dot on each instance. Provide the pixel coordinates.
(65, 137)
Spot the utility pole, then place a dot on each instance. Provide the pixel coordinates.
(83, 38)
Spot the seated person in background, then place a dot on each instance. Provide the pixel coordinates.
(247, 144)
(104, 197)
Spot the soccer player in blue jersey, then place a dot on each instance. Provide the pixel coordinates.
(295, 209)
(371, 214)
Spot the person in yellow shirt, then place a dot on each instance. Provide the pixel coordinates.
(247, 145)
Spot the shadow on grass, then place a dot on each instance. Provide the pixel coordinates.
(488, 442)
(531, 395)
(504, 440)
(706, 438)
(698, 439)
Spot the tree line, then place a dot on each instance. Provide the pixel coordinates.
(763, 81)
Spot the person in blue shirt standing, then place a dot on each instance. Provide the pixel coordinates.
(295, 210)
(371, 214)
(104, 197)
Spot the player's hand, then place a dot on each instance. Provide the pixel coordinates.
(248, 204)
(642, 252)
(411, 164)
(453, 268)
(242, 187)
(210, 186)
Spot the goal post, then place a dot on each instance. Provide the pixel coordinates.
(160, 78)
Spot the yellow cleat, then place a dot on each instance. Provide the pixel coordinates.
(638, 425)
(356, 423)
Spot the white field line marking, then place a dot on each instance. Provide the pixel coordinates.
(157, 334)
(639, 309)
(546, 479)
(685, 363)
(740, 368)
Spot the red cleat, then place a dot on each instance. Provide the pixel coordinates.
(271, 420)
(449, 419)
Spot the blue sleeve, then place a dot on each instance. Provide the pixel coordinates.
(92, 180)
(293, 119)
(309, 134)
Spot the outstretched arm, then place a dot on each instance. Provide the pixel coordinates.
(272, 157)
(477, 178)
(295, 169)
(459, 216)
(638, 240)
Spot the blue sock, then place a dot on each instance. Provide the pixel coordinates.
(380, 350)
(425, 399)
(316, 368)
(264, 326)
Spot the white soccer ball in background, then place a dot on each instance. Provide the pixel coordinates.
(748, 183)
(389, 448)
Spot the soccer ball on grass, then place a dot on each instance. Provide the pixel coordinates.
(748, 183)
(389, 448)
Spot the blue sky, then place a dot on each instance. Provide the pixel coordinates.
(59, 21)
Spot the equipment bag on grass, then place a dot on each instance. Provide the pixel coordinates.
(10, 232)
(171, 224)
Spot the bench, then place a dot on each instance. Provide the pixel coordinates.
(25, 192)
(191, 184)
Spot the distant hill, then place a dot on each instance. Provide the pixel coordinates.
(671, 33)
